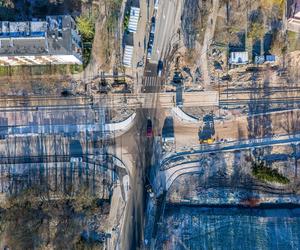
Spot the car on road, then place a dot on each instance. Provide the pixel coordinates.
(156, 2)
(160, 68)
(149, 53)
(151, 40)
(149, 128)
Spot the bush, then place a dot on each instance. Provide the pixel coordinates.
(264, 173)
(126, 20)
(86, 27)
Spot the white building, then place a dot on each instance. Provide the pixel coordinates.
(54, 41)
(133, 19)
(239, 58)
(127, 58)
(132, 28)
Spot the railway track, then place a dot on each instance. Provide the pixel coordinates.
(260, 90)
(259, 101)
(85, 158)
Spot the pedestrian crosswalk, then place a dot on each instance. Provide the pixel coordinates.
(151, 84)
(150, 81)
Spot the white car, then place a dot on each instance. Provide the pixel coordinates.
(156, 2)
(149, 53)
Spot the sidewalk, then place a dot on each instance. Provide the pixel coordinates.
(140, 40)
(116, 218)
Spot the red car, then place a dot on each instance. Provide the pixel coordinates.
(149, 128)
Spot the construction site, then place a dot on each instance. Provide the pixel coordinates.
(177, 128)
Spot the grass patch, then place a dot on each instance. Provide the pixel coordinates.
(86, 27)
(50, 69)
(109, 41)
(264, 173)
(294, 41)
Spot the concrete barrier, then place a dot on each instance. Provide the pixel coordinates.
(181, 169)
(184, 117)
(120, 126)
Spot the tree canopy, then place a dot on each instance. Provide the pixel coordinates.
(85, 26)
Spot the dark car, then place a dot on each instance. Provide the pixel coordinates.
(152, 25)
(149, 190)
(160, 67)
(151, 40)
(149, 128)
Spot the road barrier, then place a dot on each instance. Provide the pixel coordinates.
(120, 126)
(184, 117)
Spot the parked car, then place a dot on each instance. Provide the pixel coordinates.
(152, 31)
(140, 64)
(149, 53)
(151, 40)
(149, 128)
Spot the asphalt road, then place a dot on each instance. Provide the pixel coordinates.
(141, 148)
(167, 21)
(151, 82)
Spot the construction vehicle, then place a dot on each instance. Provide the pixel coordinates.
(207, 141)
(207, 131)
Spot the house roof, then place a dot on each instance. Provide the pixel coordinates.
(133, 19)
(127, 58)
(55, 36)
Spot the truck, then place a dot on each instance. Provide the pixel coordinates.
(168, 130)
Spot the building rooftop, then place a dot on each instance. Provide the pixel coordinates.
(133, 19)
(239, 57)
(55, 36)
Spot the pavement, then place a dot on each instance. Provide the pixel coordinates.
(151, 82)
(134, 214)
(140, 36)
(139, 146)
(115, 221)
(167, 23)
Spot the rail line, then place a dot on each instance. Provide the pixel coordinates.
(266, 101)
(247, 90)
(85, 158)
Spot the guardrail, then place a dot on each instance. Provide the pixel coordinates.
(118, 126)
(229, 146)
(184, 117)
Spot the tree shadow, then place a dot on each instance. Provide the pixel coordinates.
(20, 10)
